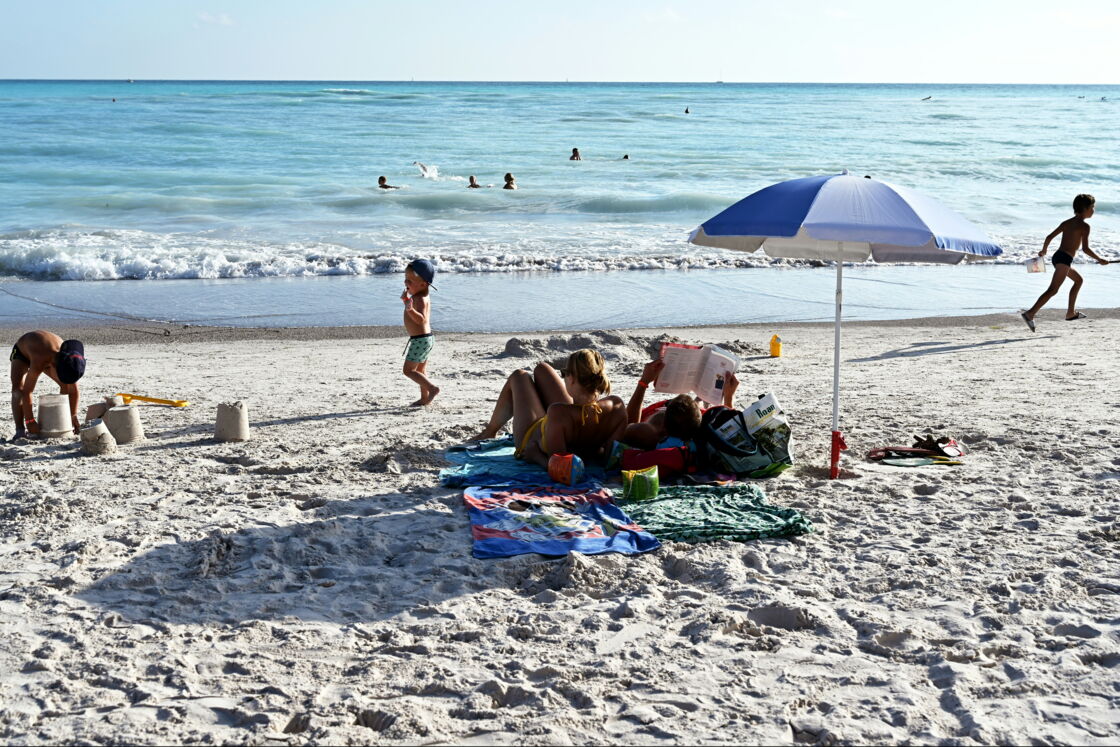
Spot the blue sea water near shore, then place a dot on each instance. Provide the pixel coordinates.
(255, 203)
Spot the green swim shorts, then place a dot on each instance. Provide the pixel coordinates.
(419, 348)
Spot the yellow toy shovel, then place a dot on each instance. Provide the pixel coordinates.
(154, 400)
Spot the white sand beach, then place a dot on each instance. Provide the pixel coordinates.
(315, 584)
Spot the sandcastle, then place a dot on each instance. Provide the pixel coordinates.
(54, 416)
(124, 424)
(96, 411)
(233, 422)
(96, 438)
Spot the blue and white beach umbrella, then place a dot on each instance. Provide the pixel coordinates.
(845, 218)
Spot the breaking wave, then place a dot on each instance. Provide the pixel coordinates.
(85, 254)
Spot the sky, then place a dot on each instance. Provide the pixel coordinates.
(855, 41)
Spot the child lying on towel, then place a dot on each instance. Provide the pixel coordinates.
(670, 423)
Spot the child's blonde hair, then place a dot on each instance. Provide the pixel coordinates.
(588, 368)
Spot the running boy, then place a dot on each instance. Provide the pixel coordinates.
(1075, 235)
(418, 277)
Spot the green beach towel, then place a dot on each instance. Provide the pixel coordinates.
(703, 513)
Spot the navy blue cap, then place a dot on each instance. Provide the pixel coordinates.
(424, 269)
(70, 363)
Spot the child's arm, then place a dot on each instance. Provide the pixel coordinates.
(1085, 247)
(649, 376)
(415, 308)
(1053, 234)
(74, 395)
(29, 383)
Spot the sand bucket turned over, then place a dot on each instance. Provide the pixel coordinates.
(96, 438)
(124, 423)
(96, 411)
(54, 416)
(233, 422)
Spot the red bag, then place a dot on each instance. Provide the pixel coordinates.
(671, 462)
(650, 409)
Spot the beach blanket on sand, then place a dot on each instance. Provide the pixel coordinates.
(492, 463)
(551, 521)
(736, 512)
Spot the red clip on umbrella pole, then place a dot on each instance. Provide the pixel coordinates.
(838, 445)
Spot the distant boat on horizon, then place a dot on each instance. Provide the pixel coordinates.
(130, 80)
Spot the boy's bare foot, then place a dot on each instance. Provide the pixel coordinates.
(1028, 320)
(418, 403)
(1076, 316)
(427, 398)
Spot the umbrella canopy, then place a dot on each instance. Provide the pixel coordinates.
(808, 218)
(845, 218)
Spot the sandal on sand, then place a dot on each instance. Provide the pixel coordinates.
(1030, 322)
(1075, 318)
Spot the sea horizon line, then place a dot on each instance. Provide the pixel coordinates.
(553, 82)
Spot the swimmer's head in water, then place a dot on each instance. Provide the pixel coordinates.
(509, 177)
(588, 369)
(682, 417)
(1084, 203)
(381, 180)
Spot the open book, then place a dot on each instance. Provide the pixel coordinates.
(695, 368)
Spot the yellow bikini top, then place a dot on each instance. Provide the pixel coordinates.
(594, 407)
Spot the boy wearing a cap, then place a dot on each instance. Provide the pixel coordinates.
(42, 352)
(418, 277)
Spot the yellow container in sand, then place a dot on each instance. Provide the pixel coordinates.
(775, 347)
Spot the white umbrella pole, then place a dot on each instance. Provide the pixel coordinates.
(837, 440)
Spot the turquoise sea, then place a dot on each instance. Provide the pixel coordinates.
(256, 203)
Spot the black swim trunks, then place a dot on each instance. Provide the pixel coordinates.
(18, 356)
(1061, 258)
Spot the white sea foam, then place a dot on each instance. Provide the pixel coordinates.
(81, 254)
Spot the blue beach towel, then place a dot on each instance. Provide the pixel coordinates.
(513, 520)
(492, 462)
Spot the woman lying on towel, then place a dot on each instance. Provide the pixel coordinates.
(560, 413)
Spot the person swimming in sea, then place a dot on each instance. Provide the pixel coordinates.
(473, 183)
(383, 183)
(575, 155)
(511, 183)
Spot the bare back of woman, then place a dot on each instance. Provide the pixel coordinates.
(555, 414)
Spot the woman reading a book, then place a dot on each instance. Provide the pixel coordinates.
(570, 412)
